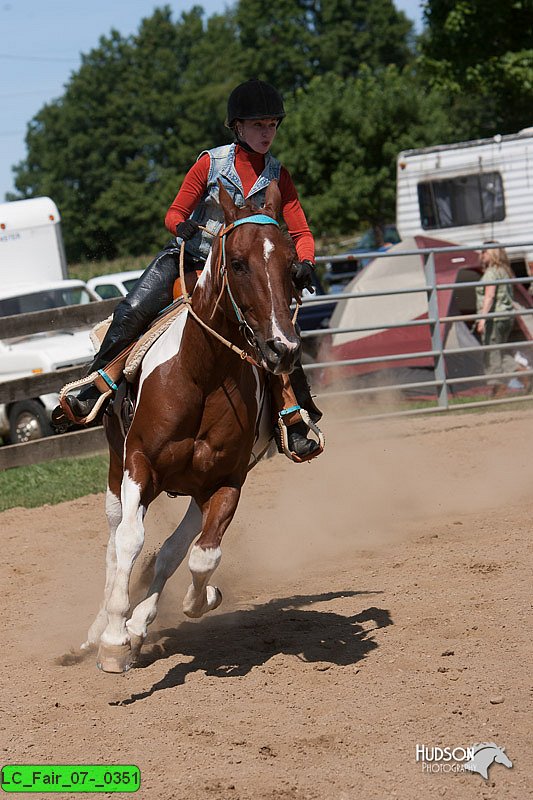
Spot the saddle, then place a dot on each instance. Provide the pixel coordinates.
(126, 364)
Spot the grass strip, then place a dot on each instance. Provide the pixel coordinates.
(52, 482)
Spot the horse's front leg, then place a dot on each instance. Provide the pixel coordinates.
(114, 654)
(205, 555)
(172, 553)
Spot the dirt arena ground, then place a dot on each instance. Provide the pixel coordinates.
(375, 600)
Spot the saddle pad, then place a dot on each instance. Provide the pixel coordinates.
(141, 347)
(99, 331)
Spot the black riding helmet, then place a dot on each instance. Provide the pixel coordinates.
(254, 99)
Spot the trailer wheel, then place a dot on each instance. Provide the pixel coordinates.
(28, 421)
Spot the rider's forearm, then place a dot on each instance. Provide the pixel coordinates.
(189, 195)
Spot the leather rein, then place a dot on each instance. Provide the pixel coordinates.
(221, 266)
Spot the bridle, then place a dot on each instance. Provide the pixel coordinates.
(221, 267)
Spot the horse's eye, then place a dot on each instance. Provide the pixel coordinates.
(238, 265)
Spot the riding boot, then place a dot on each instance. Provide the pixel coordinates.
(298, 441)
(302, 390)
(151, 293)
(287, 401)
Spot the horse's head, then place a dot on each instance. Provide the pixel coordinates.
(257, 259)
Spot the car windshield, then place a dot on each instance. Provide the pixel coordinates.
(367, 240)
(107, 291)
(130, 283)
(44, 300)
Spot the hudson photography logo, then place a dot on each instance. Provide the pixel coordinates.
(476, 758)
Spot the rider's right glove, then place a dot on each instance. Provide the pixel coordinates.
(186, 230)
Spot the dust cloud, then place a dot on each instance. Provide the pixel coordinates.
(373, 485)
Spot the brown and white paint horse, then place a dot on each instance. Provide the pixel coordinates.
(197, 424)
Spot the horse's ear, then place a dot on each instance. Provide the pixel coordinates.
(228, 206)
(272, 204)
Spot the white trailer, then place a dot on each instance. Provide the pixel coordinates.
(470, 192)
(31, 244)
(33, 277)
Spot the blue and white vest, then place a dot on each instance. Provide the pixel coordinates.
(208, 213)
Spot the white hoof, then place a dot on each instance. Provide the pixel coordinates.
(214, 597)
(114, 658)
(212, 601)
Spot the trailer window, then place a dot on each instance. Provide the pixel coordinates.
(465, 200)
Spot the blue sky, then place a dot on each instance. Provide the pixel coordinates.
(40, 45)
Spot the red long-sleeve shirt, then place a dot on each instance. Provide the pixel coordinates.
(249, 167)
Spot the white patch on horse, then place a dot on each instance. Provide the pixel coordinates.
(113, 509)
(164, 348)
(168, 560)
(277, 333)
(207, 560)
(129, 540)
(206, 272)
(267, 249)
(201, 597)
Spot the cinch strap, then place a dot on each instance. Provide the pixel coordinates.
(107, 379)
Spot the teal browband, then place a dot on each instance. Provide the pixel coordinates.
(259, 219)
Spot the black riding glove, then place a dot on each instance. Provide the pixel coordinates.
(302, 275)
(186, 230)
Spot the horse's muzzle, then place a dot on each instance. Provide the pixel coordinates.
(280, 357)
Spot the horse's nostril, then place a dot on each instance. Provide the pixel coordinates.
(277, 346)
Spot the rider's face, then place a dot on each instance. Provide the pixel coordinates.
(257, 133)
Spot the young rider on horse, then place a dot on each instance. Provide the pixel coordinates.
(245, 168)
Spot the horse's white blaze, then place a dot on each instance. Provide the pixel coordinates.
(164, 348)
(277, 332)
(268, 247)
(207, 560)
(129, 540)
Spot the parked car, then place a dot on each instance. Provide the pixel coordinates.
(339, 273)
(25, 355)
(116, 284)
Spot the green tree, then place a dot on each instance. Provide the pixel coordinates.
(291, 41)
(113, 149)
(481, 53)
(342, 138)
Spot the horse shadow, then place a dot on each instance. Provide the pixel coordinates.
(232, 644)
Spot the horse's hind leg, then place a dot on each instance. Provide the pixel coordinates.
(113, 509)
(114, 654)
(172, 553)
(205, 555)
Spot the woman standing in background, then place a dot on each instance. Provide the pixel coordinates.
(491, 299)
